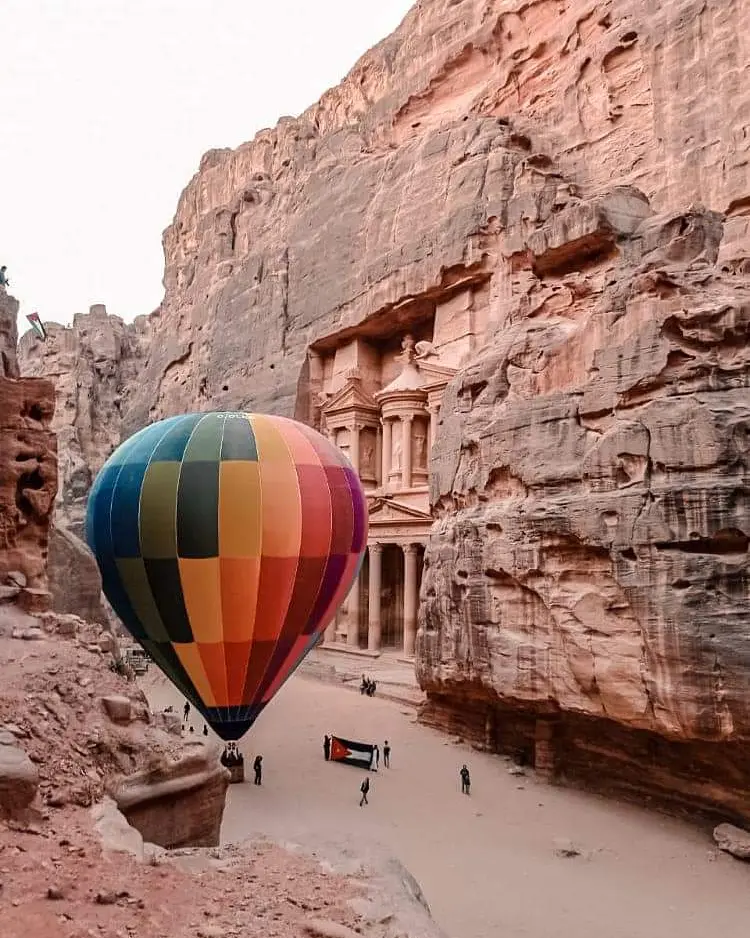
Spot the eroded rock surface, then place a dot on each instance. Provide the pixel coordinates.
(28, 479)
(75, 583)
(92, 363)
(177, 803)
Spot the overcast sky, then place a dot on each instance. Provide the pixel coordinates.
(106, 107)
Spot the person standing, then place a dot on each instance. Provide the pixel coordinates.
(364, 788)
(465, 780)
(327, 747)
(4, 282)
(258, 769)
(186, 712)
(387, 754)
(376, 756)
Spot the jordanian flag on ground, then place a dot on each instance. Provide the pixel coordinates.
(345, 750)
(37, 325)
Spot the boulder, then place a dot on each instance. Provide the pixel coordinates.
(177, 804)
(19, 778)
(74, 581)
(119, 708)
(733, 840)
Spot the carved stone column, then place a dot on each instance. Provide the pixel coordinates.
(354, 431)
(411, 595)
(378, 457)
(352, 618)
(434, 411)
(406, 442)
(330, 633)
(387, 448)
(375, 589)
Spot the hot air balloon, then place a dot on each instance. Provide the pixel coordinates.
(226, 543)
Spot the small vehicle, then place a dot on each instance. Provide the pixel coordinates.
(138, 660)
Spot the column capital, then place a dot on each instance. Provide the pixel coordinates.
(407, 418)
(375, 547)
(410, 548)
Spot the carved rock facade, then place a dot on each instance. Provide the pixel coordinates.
(527, 188)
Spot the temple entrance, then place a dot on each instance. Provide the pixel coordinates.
(392, 597)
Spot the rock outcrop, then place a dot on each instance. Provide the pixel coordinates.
(75, 584)
(540, 166)
(18, 777)
(177, 803)
(28, 473)
(92, 364)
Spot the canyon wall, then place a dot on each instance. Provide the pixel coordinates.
(28, 474)
(575, 175)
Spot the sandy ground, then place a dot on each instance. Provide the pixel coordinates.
(486, 862)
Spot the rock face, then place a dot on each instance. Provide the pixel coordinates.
(536, 167)
(8, 335)
(28, 473)
(74, 581)
(92, 363)
(178, 803)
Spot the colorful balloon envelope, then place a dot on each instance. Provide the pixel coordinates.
(226, 542)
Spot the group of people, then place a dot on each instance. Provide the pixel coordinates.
(231, 756)
(367, 686)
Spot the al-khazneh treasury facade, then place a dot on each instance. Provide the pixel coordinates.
(376, 395)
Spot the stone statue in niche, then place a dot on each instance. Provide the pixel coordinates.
(396, 452)
(419, 447)
(368, 453)
(342, 441)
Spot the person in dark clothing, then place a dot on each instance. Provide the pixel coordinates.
(258, 769)
(387, 754)
(4, 282)
(327, 747)
(465, 780)
(205, 730)
(364, 788)
(185, 712)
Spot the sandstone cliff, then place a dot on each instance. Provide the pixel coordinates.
(92, 363)
(575, 175)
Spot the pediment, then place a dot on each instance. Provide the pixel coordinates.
(388, 510)
(350, 397)
(435, 374)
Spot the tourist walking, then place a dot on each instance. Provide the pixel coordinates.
(327, 747)
(387, 754)
(364, 788)
(258, 769)
(185, 712)
(465, 780)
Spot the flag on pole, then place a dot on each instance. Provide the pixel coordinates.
(37, 325)
(345, 750)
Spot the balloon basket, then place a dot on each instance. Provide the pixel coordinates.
(236, 774)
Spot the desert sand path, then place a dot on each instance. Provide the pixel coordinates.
(486, 863)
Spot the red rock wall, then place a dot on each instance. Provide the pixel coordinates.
(28, 483)
(28, 472)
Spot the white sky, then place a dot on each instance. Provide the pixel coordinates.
(106, 107)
